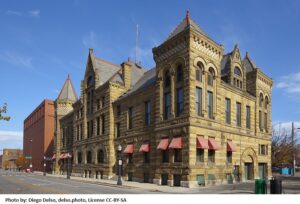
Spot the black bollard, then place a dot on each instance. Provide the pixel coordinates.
(276, 186)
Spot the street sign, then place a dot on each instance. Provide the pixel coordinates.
(28, 157)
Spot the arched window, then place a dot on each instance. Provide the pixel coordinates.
(90, 80)
(199, 70)
(167, 78)
(100, 156)
(89, 157)
(261, 99)
(266, 103)
(179, 73)
(210, 78)
(237, 72)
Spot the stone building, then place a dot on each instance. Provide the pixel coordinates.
(199, 117)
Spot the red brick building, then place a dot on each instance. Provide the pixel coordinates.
(38, 135)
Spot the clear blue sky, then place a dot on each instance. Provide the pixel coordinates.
(41, 42)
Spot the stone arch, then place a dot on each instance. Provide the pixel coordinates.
(249, 160)
(213, 66)
(199, 59)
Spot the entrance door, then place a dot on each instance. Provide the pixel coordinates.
(262, 167)
(164, 179)
(248, 171)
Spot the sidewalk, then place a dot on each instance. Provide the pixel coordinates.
(128, 184)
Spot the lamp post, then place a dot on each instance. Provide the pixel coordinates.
(30, 166)
(44, 166)
(119, 165)
(68, 166)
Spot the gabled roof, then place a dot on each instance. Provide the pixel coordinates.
(104, 69)
(187, 22)
(248, 63)
(67, 92)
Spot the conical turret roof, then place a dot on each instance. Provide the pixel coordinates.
(67, 92)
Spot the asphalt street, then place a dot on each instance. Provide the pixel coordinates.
(24, 183)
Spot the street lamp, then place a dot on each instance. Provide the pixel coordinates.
(293, 148)
(44, 166)
(119, 165)
(30, 166)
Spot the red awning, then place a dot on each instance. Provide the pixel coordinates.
(201, 143)
(230, 146)
(68, 155)
(212, 144)
(62, 156)
(176, 143)
(54, 157)
(145, 147)
(129, 149)
(163, 144)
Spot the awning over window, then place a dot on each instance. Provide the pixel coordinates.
(176, 143)
(54, 157)
(62, 156)
(128, 149)
(68, 155)
(212, 144)
(230, 146)
(163, 144)
(145, 147)
(201, 143)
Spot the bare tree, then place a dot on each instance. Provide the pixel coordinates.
(3, 110)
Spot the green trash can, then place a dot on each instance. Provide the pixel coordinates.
(260, 186)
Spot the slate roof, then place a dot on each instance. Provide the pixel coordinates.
(248, 63)
(146, 80)
(67, 92)
(105, 70)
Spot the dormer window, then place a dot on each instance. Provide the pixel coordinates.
(237, 80)
(90, 81)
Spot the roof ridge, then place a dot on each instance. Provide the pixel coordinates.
(105, 61)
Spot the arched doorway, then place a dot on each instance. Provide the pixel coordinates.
(248, 163)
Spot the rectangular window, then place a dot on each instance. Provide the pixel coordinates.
(229, 157)
(102, 124)
(210, 104)
(179, 103)
(266, 121)
(211, 156)
(88, 129)
(167, 106)
(77, 132)
(98, 104)
(117, 130)
(129, 158)
(146, 157)
(177, 155)
(81, 131)
(227, 110)
(102, 101)
(92, 128)
(199, 101)
(238, 114)
(260, 120)
(165, 156)
(130, 117)
(200, 155)
(198, 75)
(118, 110)
(248, 117)
(263, 149)
(98, 125)
(147, 113)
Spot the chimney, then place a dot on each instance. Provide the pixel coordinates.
(126, 72)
